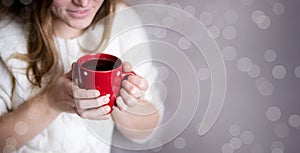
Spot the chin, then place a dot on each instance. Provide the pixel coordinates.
(81, 25)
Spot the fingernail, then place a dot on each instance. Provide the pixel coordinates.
(97, 93)
(133, 91)
(106, 99)
(106, 109)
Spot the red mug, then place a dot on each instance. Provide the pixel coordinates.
(102, 72)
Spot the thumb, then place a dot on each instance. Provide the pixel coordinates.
(68, 75)
(127, 67)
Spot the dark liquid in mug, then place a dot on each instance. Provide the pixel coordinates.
(100, 65)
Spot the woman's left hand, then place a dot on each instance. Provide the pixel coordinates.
(132, 91)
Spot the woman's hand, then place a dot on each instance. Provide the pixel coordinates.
(132, 91)
(64, 96)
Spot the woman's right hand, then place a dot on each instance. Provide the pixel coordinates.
(64, 96)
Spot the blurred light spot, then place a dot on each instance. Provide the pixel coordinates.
(206, 18)
(21, 128)
(277, 150)
(231, 16)
(256, 14)
(263, 22)
(236, 143)
(184, 43)
(257, 149)
(214, 31)
(161, 33)
(246, 2)
(294, 120)
(229, 53)
(227, 148)
(26, 2)
(229, 33)
(244, 64)
(281, 130)
(278, 8)
(264, 87)
(7, 3)
(277, 144)
(254, 71)
(9, 149)
(11, 141)
(270, 55)
(297, 71)
(168, 21)
(247, 137)
(175, 13)
(273, 113)
(279, 72)
(203, 74)
(179, 143)
(163, 73)
(190, 9)
(235, 130)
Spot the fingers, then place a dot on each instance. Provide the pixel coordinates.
(79, 93)
(132, 89)
(138, 81)
(127, 67)
(127, 98)
(68, 75)
(92, 103)
(100, 113)
(121, 105)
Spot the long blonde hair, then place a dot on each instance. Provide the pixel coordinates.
(42, 57)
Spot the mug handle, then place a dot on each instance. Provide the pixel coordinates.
(75, 74)
(126, 74)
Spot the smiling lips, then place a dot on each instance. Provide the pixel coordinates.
(78, 13)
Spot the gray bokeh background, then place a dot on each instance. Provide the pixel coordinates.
(260, 46)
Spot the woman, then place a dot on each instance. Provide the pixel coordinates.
(40, 109)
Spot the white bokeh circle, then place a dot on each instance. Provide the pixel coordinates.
(179, 143)
(235, 130)
(297, 71)
(277, 144)
(254, 71)
(227, 148)
(206, 18)
(229, 53)
(273, 113)
(236, 143)
(203, 74)
(244, 64)
(247, 137)
(270, 55)
(278, 8)
(229, 33)
(294, 121)
(279, 72)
